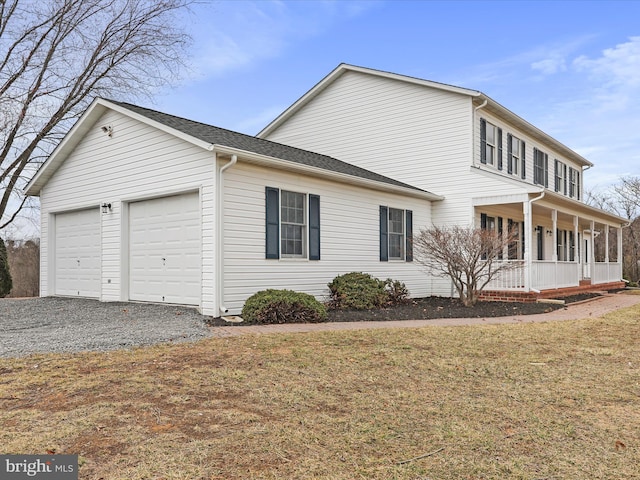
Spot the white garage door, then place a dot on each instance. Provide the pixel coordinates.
(164, 250)
(77, 253)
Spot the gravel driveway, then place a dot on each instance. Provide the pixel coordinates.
(75, 324)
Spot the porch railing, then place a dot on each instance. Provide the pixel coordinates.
(604, 272)
(547, 275)
(512, 278)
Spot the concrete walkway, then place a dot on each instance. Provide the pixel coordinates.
(595, 307)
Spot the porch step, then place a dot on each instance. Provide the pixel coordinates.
(515, 296)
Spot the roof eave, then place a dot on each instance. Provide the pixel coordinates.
(288, 165)
(501, 111)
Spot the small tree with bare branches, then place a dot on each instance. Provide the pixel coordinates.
(56, 55)
(470, 257)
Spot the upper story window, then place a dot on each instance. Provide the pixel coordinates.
(560, 177)
(515, 156)
(540, 167)
(490, 144)
(574, 183)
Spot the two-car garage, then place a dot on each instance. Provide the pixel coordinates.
(163, 251)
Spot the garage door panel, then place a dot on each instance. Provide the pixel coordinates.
(77, 253)
(164, 250)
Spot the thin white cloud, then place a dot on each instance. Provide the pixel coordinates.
(618, 66)
(233, 35)
(553, 64)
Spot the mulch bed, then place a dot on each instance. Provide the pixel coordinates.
(437, 307)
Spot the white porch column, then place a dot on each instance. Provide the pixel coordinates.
(554, 220)
(606, 243)
(528, 233)
(576, 247)
(619, 258)
(592, 253)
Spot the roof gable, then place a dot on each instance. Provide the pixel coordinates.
(478, 98)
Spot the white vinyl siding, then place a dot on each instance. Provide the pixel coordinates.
(415, 134)
(137, 162)
(349, 220)
(77, 253)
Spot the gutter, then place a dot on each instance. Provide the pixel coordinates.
(220, 232)
(289, 166)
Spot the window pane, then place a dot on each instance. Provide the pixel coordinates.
(491, 134)
(396, 221)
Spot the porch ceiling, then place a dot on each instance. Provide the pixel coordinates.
(567, 209)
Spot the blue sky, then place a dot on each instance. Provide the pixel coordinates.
(570, 68)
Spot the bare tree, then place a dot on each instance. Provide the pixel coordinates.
(56, 55)
(623, 199)
(471, 257)
(24, 264)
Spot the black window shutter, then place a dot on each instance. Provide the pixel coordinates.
(483, 140)
(540, 234)
(272, 241)
(509, 153)
(314, 227)
(578, 184)
(384, 225)
(557, 178)
(546, 170)
(500, 254)
(571, 182)
(565, 178)
(483, 221)
(523, 239)
(409, 229)
(499, 149)
(524, 163)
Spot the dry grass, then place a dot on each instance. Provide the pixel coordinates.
(534, 401)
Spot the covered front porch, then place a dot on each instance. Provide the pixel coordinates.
(559, 246)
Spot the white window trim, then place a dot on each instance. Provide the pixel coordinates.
(403, 256)
(305, 226)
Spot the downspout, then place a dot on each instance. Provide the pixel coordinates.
(220, 230)
(529, 260)
(473, 132)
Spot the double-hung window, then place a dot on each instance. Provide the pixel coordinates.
(396, 234)
(292, 224)
(540, 167)
(574, 183)
(560, 177)
(490, 144)
(514, 154)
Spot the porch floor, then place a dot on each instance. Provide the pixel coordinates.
(515, 296)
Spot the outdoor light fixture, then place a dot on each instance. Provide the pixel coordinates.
(549, 233)
(108, 129)
(106, 207)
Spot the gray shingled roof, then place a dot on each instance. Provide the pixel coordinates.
(228, 138)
